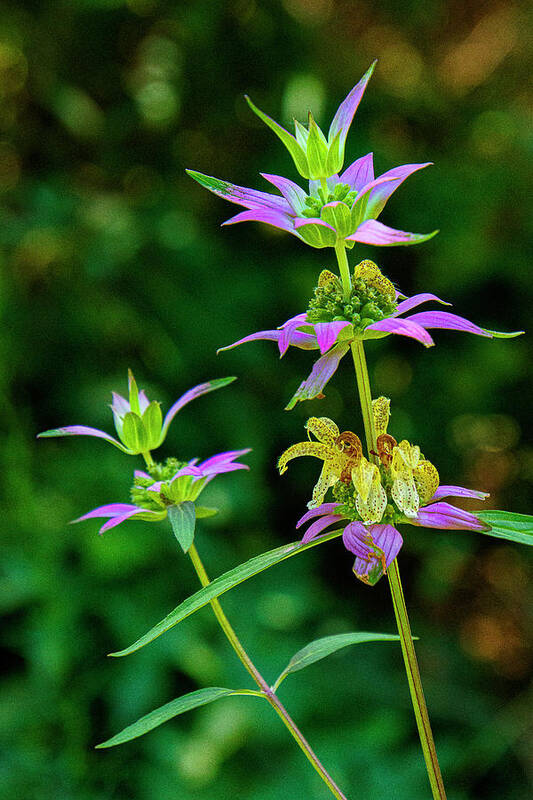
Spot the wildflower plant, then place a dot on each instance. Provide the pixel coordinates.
(371, 488)
(392, 484)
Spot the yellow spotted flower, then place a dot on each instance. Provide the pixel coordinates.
(340, 452)
(414, 479)
(371, 498)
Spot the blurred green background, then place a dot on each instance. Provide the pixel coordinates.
(113, 258)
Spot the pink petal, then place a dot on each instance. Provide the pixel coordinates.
(325, 508)
(373, 232)
(443, 319)
(458, 491)
(322, 371)
(81, 430)
(319, 525)
(327, 332)
(304, 341)
(293, 194)
(278, 219)
(345, 112)
(446, 516)
(379, 196)
(416, 300)
(359, 173)
(403, 327)
(109, 510)
(355, 537)
(192, 394)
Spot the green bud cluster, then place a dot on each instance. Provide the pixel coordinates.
(365, 305)
(342, 193)
(143, 498)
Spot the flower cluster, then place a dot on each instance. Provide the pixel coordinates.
(165, 485)
(141, 429)
(335, 208)
(398, 486)
(373, 309)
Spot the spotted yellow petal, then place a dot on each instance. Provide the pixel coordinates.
(329, 476)
(405, 455)
(302, 449)
(329, 281)
(325, 430)
(381, 410)
(371, 498)
(373, 276)
(405, 495)
(426, 480)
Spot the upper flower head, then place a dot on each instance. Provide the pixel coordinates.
(139, 422)
(337, 209)
(399, 486)
(315, 156)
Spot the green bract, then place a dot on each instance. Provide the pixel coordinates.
(315, 156)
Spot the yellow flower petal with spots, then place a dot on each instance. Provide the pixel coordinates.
(325, 430)
(405, 495)
(426, 480)
(381, 411)
(405, 455)
(372, 275)
(327, 449)
(371, 498)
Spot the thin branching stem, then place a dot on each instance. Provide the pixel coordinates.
(267, 691)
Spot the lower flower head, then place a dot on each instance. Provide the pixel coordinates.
(399, 486)
(167, 485)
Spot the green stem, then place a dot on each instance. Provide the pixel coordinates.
(342, 259)
(149, 461)
(266, 690)
(400, 610)
(365, 395)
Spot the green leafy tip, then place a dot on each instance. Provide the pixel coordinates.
(178, 706)
(321, 648)
(508, 525)
(208, 182)
(504, 335)
(223, 584)
(182, 518)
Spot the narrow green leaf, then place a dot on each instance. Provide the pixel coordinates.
(182, 518)
(317, 151)
(222, 584)
(335, 157)
(178, 706)
(508, 525)
(298, 155)
(503, 335)
(321, 648)
(133, 394)
(205, 511)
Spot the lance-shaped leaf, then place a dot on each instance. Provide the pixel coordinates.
(508, 525)
(298, 155)
(321, 648)
(178, 706)
(182, 518)
(222, 584)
